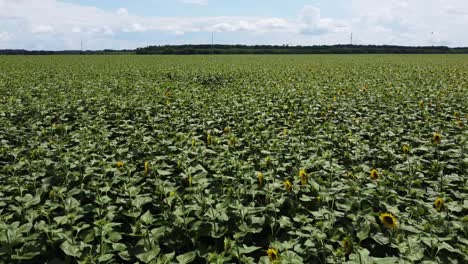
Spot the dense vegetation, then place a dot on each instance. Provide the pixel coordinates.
(285, 49)
(236, 159)
(256, 49)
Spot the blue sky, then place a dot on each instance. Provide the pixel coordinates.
(217, 7)
(118, 24)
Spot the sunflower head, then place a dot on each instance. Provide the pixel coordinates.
(388, 220)
(438, 204)
(260, 178)
(272, 254)
(456, 114)
(146, 167)
(465, 219)
(437, 138)
(226, 130)
(421, 103)
(303, 176)
(285, 131)
(350, 174)
(287, 185)
(374, 174)
(232, 141)
(52, 194)
(119, 164)
(406, 149)
(227, 244)
(347, 245)
(267, 160)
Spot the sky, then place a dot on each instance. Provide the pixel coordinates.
(124, 24)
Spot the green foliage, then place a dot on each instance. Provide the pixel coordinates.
(166, 159)
(286, 49)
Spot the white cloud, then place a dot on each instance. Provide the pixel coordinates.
(76, 30)
(195, 2)
(311, 22)
(106, 30)
(42, 29)
(255, 25)
(309, 15)
(135, 27)
(410, 22)
(5, 36)
(122, 12)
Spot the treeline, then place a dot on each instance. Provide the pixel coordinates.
(64, 52)
(255, 49)
(285, 49)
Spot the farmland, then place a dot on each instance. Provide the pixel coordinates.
(234, 159)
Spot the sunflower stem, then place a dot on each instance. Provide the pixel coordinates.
(440, 170)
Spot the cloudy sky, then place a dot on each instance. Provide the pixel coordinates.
(118, 24)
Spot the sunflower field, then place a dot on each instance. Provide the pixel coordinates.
(234, 159)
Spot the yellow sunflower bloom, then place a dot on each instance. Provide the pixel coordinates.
(232, 141)
(260, 178)
(437, 138)
(303, 176)
(406, 149)
(146, 168)
(421, 104)
(347, 245)
(456, 115)
(439, 203)
(388, 220)
(52, 194)
(287, 185)
(272, 254)
(119, 164)
(374, 174)
(209, 139)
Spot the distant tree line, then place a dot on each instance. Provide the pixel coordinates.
(254, 49)
(285, 49)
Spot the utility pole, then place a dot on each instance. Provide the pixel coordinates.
(212, 42)
(351, 38)
(81, 46)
